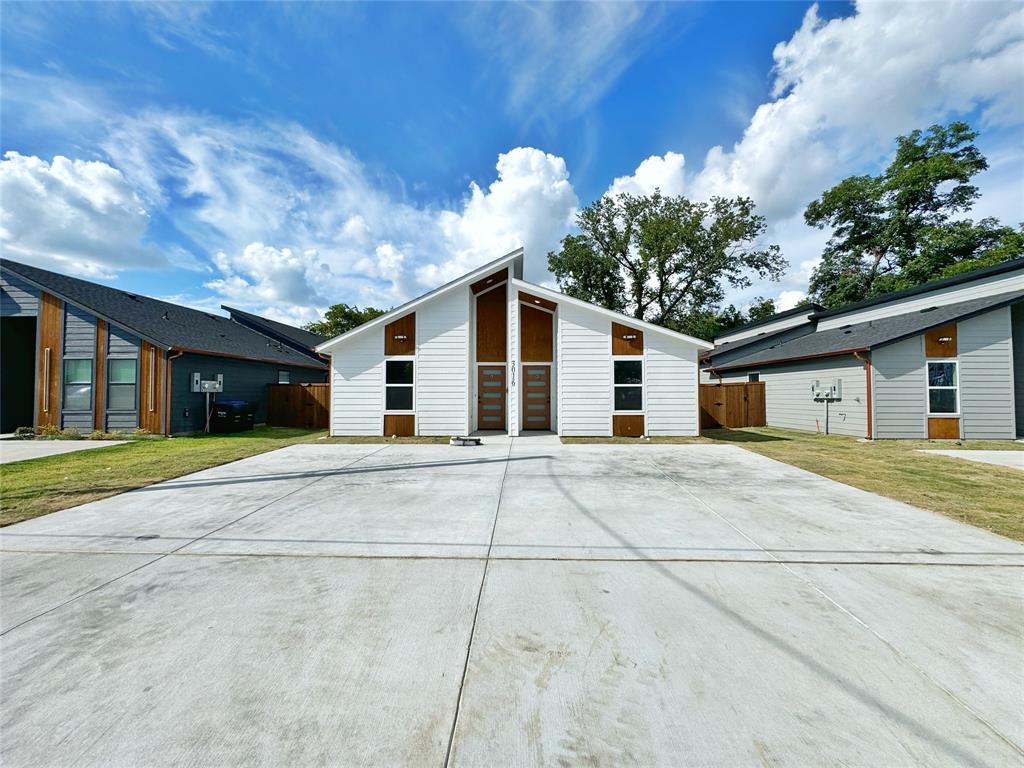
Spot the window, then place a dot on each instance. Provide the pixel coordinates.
(284, 377)
(943, 388)
(78, 385)
(121, 382)
(629, 380)
(398, 378)
(753, 377)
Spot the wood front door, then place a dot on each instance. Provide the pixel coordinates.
(536, 396)
(490, 396)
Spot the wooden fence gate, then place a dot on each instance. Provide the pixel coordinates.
(298, 405)
(732, 405)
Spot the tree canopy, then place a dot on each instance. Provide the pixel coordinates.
(898, 229)
(666, 260)
(342, 318)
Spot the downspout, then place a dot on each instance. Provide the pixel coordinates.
(867, 374)
(167, 391)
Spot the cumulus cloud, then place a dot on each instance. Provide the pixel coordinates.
(844, 88)
(665, 173)
(74, 215)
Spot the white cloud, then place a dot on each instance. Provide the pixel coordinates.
(74, 215)
(844, 88)
(267, 274)
(788, 300)
(666, 173)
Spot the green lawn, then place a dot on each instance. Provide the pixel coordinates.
(40, 486)
(983, 495)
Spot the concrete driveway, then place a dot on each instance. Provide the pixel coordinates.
(22, 450)
(520, 603)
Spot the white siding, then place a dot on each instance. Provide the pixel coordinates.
(766, 329)
(357, 385)
(1017, 312)
(899, 389)
(442, 365)
(986, 376)
(584, 372)
(671, 382)
(990, 286)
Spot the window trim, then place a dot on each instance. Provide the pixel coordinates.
(398, 359)
(109, 383)
(64, 384)
(928, 388)
(642, 359)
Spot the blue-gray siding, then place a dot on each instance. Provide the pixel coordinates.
(1017, 321)
(243, 380)
(899, 389)
(986, 376)
(79, 342)
(17, 298)
(120, 343)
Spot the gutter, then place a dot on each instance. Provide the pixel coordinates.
(870, 410)
(781, 360)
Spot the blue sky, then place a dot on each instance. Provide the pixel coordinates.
(286, 157)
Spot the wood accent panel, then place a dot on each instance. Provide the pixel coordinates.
(490, 397)
(492, 326)
(529, 298)
(731, 406)
(943, 429)
(932, 347)
(624, 346)
(486, 282)
(100, 400)
(628, 426)
(536, 397)
(402, 425)
(536, 335)
(48, 360)
(403, 326)
(151, 395)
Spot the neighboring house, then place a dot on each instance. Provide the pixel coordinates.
(490, 351)
(298, 339)
(78, 354)
(942, 360)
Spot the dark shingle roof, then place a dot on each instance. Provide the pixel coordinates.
(863, 336)
(166, 325)
(804, 309)
(298, 336)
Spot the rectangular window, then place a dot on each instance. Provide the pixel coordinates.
(121, 384)
(398, 378)
(629, 390)
(284, 377)
(77, 385)
(943, 388)
(753, 377)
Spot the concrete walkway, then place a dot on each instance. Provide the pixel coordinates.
(1011, 459)
(524, 602)
(22, 450)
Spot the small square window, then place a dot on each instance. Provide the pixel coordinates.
(629, 398)
(399, 372)
(398, 399)
(284, 377)
(753, 377)
(629, 371)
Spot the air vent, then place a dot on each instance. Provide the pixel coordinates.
(928, 309)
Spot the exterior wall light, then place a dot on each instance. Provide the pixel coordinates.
(400, 337)
(945, 339)
(629, 336)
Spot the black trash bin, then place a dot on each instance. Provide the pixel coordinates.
(232, 416)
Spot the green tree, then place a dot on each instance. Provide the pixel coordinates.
(666, 260)
(897, 229)
(341, 318)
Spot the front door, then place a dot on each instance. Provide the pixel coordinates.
(536, 397)
(490, 397)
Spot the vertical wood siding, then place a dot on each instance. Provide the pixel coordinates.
(151, 386)
(99, 409)
(48, 365)
(1017, 322)
(357, 385)
(442, 365)
(17, 298)
(671, 386)
(492, 326)
(584, 372)
(900, 392)
(986, 376)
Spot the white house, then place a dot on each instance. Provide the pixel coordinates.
(490, 351)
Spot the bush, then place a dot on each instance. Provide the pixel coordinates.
(71, 433)
(25, 433)
(48, 431)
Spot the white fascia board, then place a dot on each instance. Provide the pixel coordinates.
(513, 259)
(557, 296)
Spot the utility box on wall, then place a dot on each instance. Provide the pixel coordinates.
(827, 390)
(209, 385)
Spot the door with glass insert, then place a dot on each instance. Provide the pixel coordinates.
(490, 397)
(536, 397)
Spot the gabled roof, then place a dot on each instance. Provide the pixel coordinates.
(165, 325)
(633, 322)
(861, 337)
(513, 260)
(299, 337)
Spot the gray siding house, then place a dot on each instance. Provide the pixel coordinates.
(944, 360)
(78, 354)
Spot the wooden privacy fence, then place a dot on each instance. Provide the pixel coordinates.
(298, 405)
(732, 405)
